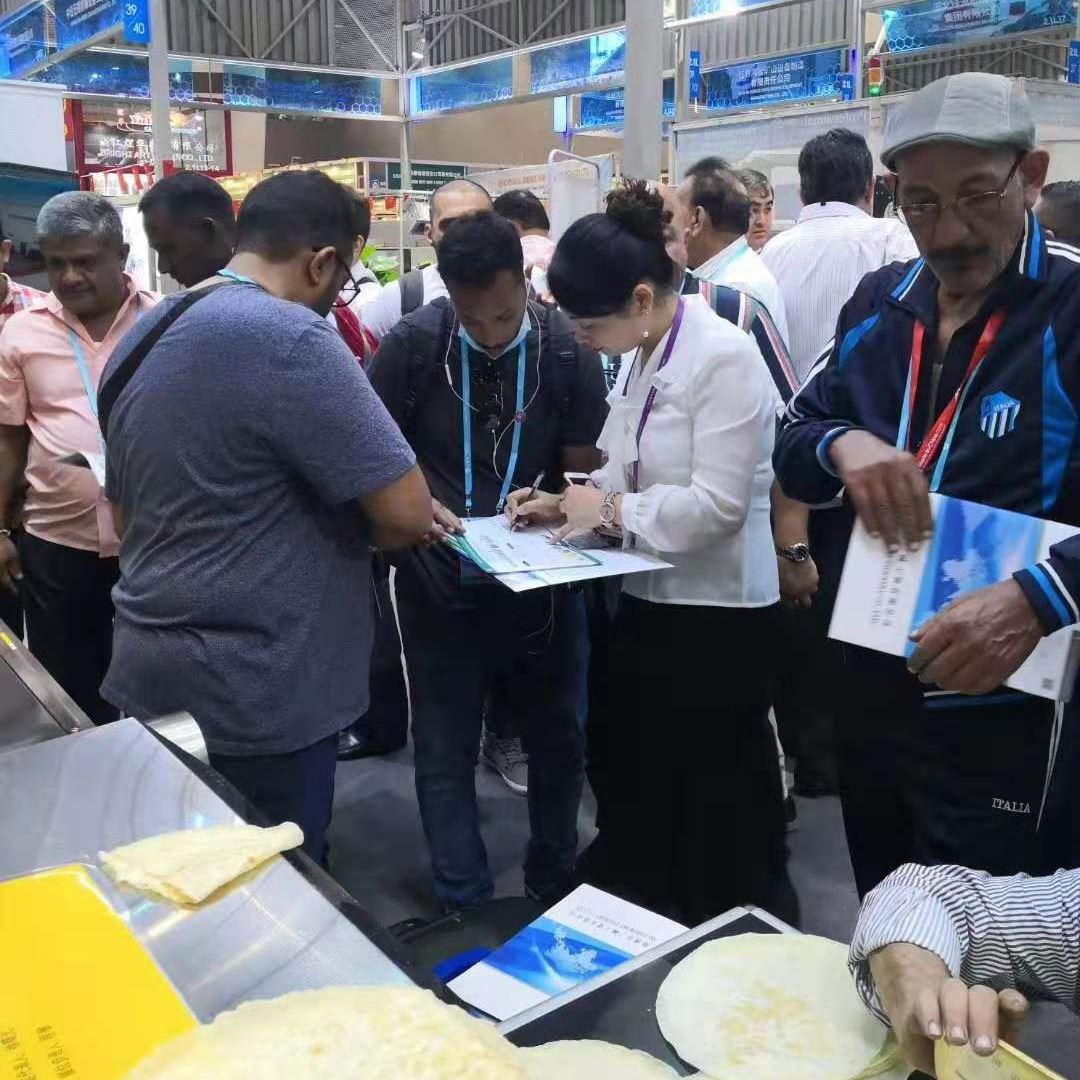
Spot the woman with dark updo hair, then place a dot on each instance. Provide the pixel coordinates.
(682, 757)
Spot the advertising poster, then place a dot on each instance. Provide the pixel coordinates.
(931, 23)
(767, 82)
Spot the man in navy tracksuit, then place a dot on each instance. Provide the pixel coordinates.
(957, 373)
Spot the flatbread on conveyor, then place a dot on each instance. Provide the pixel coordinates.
(764, 1006)
(188, 866)
(342, 1033)
(589, 1059)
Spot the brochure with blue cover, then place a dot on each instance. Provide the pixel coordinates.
(583, 936)
(883, 598)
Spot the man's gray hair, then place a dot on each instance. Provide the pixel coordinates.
(77, 214)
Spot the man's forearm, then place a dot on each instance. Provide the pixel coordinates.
(1020, 930)
(791, 519)
(13, 447)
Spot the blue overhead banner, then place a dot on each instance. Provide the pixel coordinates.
(575, 63)
(79, 20)
(477, 84)
(769, 82)
(1074, 62)
(695, 75)
(929, 23)
(606, 108)
(22, 41)
(723, 7)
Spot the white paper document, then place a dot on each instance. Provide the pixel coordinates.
(610, 562)
(498, 549)
(581, 937)
(883, 598)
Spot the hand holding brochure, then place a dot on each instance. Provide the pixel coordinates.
(581, 937)
(883, 598)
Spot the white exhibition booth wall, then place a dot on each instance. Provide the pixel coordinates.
(770, 140)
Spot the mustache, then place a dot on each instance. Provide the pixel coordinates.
(957, 257)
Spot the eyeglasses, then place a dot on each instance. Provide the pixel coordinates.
(350, 290)
(981, 207)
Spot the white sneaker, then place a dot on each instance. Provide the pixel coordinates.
(508, 758)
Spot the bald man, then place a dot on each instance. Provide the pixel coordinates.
(419, 287)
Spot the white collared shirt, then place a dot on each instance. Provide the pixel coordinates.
(705, 466)
(383, 313)
(819, 263)
(740, 267)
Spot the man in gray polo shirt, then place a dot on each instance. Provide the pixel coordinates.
(254, 467)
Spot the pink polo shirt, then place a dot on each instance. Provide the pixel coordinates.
(40, 387)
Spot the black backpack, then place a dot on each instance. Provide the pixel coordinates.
(428, 330)
(411, 286)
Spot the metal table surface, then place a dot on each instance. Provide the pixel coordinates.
(64, 800)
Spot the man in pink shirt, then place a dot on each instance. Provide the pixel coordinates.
(13, 295)
(51, 360)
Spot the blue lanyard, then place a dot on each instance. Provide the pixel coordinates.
(233, 276)
(88, 384)
(466, 427)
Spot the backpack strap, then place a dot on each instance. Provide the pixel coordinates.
(424, 359)
(562, 346)
(110, 391)
(412, 291)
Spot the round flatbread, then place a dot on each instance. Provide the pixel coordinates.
(761, 1006)
(589, 1059)
(370, 1033)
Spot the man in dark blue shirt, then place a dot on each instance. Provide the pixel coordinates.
(932, 771)
(491, 390)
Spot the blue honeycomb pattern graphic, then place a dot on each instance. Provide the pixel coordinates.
(949, 22)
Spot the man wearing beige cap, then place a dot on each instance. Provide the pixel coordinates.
(956, 373)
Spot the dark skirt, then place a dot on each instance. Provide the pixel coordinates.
(683, 761)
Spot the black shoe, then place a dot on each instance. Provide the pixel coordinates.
(354, 743)
(814, 781)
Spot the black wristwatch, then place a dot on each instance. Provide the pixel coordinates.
(797, 553)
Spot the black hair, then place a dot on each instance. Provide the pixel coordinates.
(717, 189)
(524, 209)
(835, 167)
(476, 247)
(601, 258)
(301, 211)
(1064, 197)
(190, 195)
(756, 183)
(461, 183)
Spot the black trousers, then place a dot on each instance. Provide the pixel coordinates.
(67, 597)
(297, 787)
(682, 761)
(944, 779)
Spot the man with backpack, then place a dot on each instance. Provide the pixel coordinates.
(491, 390)
(423, 285)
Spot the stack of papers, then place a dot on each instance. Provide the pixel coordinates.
(526, 559)
(581, 937)
(883, 598)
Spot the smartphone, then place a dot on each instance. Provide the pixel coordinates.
(578, 479)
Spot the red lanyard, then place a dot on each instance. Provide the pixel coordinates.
(931, 446)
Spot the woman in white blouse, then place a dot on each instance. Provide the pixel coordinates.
(682, 757)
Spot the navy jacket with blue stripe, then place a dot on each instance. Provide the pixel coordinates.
(1015, 444)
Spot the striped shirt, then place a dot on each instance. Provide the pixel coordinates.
(818, 264)
(1014, 931)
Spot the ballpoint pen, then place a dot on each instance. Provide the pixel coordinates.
(515, 524)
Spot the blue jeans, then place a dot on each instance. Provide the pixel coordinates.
(453, 655)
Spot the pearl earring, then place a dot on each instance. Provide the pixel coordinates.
(644, 335)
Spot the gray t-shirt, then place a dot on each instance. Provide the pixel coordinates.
(237, 454)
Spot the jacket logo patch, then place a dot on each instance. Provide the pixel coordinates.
(999, 413)
(1012, 806)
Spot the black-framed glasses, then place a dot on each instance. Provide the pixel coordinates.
(981, 207)
(350, 290)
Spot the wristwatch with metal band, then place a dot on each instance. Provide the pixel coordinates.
(607, 509)
(797, 553)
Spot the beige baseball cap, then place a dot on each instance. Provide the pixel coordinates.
(975, 108)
